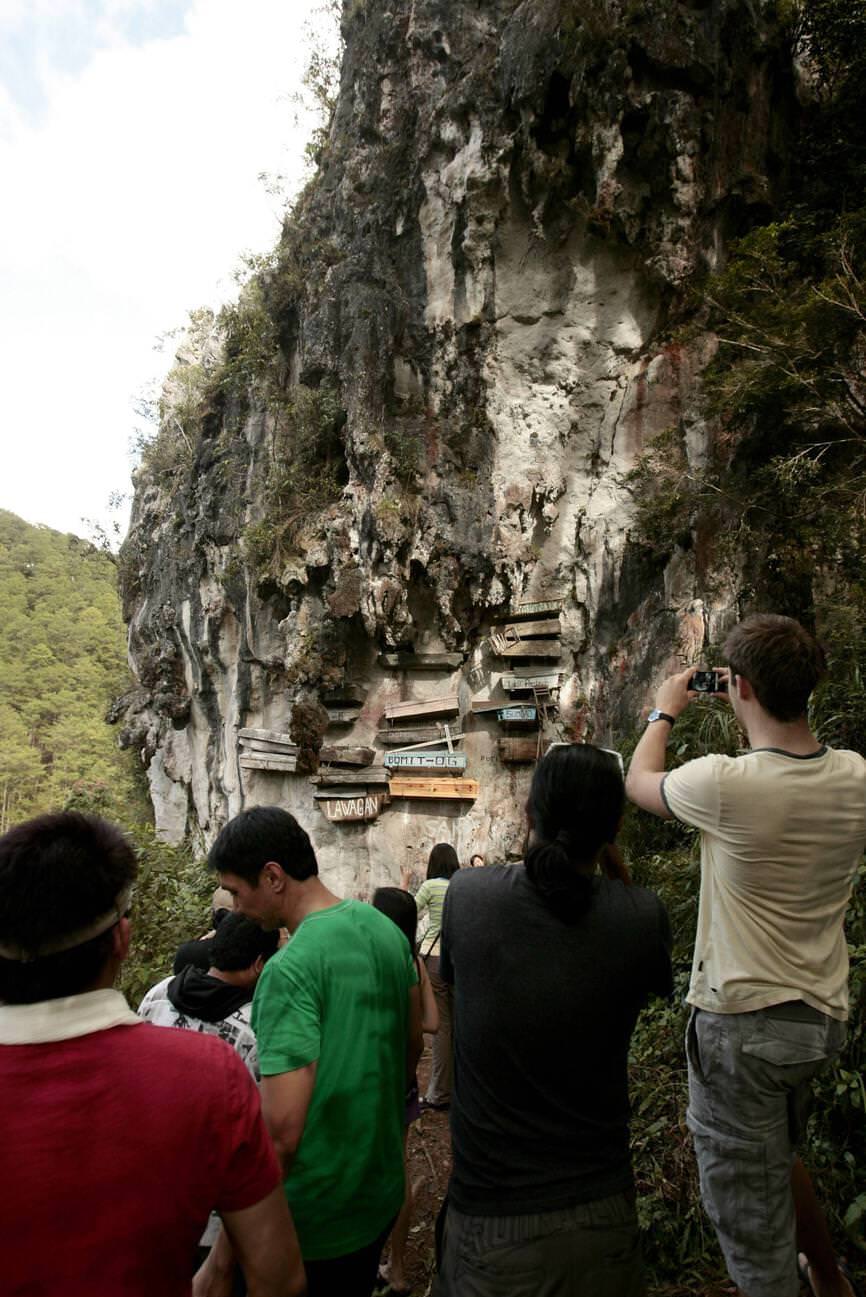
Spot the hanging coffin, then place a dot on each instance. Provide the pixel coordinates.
(420, 734)
(421, 661)
(446, 706)
(514, 751)
(447, 789)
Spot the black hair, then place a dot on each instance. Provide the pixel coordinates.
(258, 835)
(443, 862)
(575, 806)
(58, 874)
(401, 909)
(238, 942)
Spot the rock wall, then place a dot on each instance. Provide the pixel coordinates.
(491, 272)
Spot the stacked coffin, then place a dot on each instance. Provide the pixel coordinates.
(531, 630)
(268, 750)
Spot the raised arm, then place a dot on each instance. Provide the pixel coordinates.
(643, 783)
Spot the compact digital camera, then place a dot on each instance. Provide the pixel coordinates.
(708, 682)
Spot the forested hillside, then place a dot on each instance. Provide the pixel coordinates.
(62, 660)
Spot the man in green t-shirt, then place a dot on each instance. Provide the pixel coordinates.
(338, 1023)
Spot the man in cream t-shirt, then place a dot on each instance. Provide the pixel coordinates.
(783, 828)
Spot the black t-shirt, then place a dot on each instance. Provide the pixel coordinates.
(543, 1016)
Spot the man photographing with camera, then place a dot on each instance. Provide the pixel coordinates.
(783, 827)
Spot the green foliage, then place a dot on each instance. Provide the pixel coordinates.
(62, 661)
(307, 470)
(171, 904)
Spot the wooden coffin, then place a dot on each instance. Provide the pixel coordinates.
(362, 809)
(265, 745)
(343, 694)
(448, 789)
(343, 715)
(524, 717)
(531, 648)
(333, 754)
(485, 705)
(542, 629)
(274, 762)
(521, 683)
(538, 608)
(404, 762)
(446, 706)
(516, 750)
(421, 661)
(399, 738)
(361, 778)
(275, 737)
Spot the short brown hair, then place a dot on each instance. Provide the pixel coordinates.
(781, 661)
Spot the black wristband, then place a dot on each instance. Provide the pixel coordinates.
(656, 715)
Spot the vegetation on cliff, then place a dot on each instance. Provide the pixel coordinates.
(62, 661)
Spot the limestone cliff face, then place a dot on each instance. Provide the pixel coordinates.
(514, 205)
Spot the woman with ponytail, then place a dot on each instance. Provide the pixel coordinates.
(551, 961)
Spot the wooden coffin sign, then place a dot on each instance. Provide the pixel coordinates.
(447, 706)
(403, 762)
(522, 684)
(522, 716)
(448, 789)
(514, 751)
(272, 762)
(362, 809)
(420, 661)
(531, 648)
(420, 734)
(343, 755)
(540, 608)
(368, 775)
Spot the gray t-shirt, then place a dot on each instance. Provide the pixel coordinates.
(544, 1012)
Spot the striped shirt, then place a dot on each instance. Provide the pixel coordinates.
(431, 897)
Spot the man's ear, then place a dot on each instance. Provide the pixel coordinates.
(274, 875)
(744, 689)
(120, 939)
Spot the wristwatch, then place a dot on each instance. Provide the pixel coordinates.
(656, 715)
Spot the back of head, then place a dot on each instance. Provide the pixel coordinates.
(259, 835)
(575, 806)
(781, 661)
(65, 881)
(443, 862)
(238, 943)
(401, 909)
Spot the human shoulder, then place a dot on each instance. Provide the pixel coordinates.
(155, 996)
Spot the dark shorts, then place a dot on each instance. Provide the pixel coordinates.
(591, 1250)
(749, 1087)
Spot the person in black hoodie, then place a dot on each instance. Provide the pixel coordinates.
(217, 1001)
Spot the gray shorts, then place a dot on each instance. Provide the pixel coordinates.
(749, 1089)
(591, 1250)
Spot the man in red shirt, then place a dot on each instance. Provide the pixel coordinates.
(118, 1139)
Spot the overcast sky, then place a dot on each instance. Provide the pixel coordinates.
(132, 136)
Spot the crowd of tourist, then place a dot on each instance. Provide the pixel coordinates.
(259, 1145)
